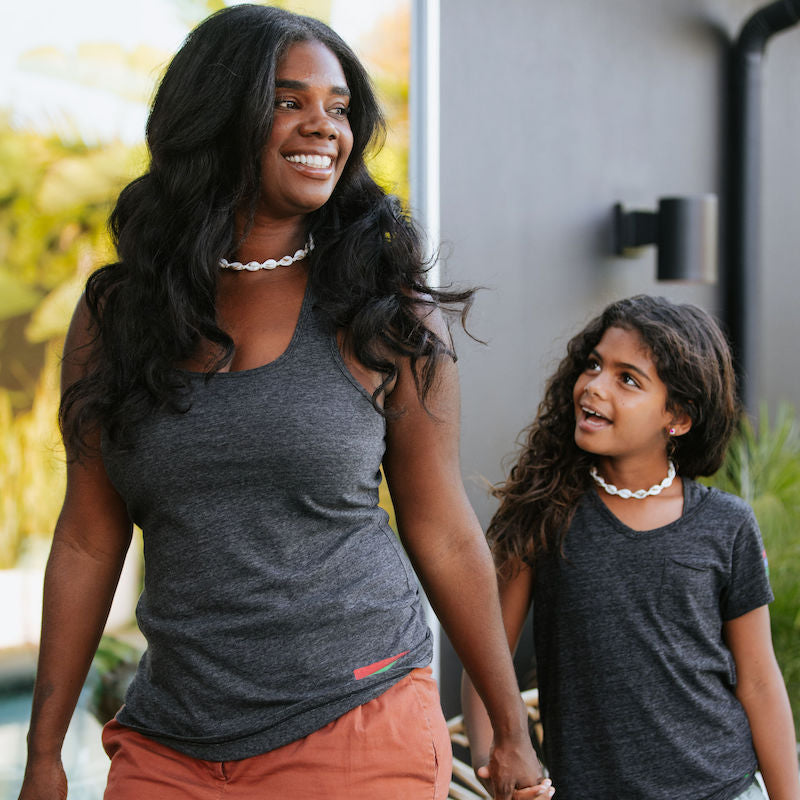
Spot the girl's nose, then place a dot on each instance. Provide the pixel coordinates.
(596, 385)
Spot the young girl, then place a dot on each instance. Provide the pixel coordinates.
(656, 672)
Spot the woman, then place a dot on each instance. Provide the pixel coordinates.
(238, 411)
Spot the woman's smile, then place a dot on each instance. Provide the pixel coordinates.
(310, 140)
(310, 161)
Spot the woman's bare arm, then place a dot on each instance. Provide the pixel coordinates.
(446, 545)
(90, 541)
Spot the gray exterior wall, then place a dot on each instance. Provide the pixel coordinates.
(550, 113)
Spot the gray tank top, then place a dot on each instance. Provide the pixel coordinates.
(276, 597)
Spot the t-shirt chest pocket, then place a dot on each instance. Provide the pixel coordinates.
(690, 591)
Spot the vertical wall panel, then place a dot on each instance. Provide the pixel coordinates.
(553, 111)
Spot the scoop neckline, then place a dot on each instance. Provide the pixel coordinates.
(230, 374)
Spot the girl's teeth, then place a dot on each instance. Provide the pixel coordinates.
(311, 161)
(592, 414)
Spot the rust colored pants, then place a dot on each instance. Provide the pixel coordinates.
(395, 747)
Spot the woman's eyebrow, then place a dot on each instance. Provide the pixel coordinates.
(285, 83)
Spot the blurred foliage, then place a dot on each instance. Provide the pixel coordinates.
(763, 467)
(54, 201)
(55, 197)
(127, 73)
(387, 55)
(113, 668)
(32, 478)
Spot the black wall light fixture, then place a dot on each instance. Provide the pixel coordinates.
(684, 230)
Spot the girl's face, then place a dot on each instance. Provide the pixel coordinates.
(620, 402)
(310, 140)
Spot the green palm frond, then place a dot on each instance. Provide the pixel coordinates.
(763, 466)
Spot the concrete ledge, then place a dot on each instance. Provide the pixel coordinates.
(17, 669)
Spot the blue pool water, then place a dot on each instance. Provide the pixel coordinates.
(84, 761)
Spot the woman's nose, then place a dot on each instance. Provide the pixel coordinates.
(319, 123)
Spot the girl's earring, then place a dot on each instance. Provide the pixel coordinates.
(672, 431)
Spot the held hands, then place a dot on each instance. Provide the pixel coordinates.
(514, 773)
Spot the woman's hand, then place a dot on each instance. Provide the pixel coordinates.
(514, 773)
(44, 780)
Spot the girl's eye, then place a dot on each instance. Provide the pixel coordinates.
(341, 111)
(628, 379)
(592, 365)
(283, 102)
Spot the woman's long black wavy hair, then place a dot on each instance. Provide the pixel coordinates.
(692, 358)
(209, 120)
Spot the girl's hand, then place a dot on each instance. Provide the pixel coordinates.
(44, 781)
(543, 789)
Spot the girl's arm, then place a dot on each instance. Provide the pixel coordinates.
(515, 601)
(89, 545)
(760, 689)
(446, 546)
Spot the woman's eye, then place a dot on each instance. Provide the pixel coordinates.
(282, 102)
(341, 111)
(592, 365)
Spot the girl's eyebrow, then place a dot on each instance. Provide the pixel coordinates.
(623, 365)
(285, 83)
(632, 368)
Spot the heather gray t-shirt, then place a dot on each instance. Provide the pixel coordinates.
(636, 683)
(276, 596)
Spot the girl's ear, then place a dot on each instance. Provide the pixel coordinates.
(681, 423)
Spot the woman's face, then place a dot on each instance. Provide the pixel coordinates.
(310, 140)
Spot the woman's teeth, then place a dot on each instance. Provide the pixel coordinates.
(311, 161)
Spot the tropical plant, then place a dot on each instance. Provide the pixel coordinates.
(54, 201)
(763, 467)
(387, 54)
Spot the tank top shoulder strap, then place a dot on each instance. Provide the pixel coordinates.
(314, 332)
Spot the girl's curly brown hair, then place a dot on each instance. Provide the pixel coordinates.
(692, 358)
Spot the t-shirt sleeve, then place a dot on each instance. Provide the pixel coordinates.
(748, 587)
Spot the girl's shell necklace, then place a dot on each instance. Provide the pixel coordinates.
(639, 494)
